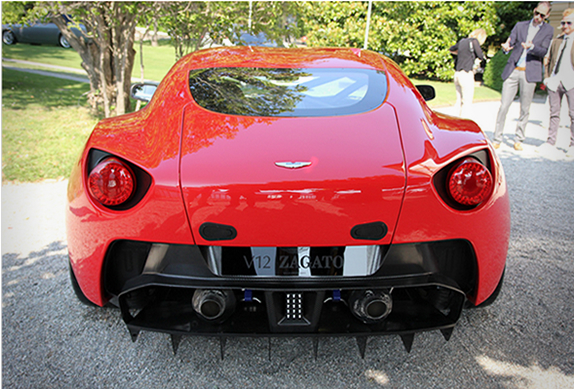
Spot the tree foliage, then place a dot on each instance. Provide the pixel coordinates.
(417, 35)
(16, 11)
(189, 23)
(193, 25)
(494, 69)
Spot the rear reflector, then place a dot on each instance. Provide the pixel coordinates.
(215, 231)
(369, 231)
(469, 183)
(111, 182)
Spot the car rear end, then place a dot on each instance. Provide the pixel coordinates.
(293, 182)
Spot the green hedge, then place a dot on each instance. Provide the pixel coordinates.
(493, 70)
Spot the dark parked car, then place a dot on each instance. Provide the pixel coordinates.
(37, 33)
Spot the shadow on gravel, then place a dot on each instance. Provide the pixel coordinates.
(14, 262)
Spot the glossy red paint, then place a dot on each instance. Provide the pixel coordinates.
(232, 178)
(284, 58)
(150, 139)
(91, 228)
(207, 167)
(487, 227)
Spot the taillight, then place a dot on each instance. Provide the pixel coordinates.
(111, 182)
(469, 183)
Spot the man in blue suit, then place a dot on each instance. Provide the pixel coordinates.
(529, 41)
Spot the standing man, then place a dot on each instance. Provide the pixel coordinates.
(559, 80)
(529, 41)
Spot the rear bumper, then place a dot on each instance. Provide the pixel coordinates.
(170, 311)
(427, 284)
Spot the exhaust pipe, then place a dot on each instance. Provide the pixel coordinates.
(370, 306)
(213, 305)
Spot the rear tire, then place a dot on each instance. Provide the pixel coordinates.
(8, 37)
(78, 291)
(63, 42)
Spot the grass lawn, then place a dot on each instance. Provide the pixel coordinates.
(45, 124)
(445, 93)
(157, 60)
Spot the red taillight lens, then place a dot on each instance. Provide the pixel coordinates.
(469, 183)
(111, 182)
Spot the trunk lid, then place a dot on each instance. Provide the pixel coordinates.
(244, 172)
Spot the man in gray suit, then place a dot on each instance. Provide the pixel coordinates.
(529, 41)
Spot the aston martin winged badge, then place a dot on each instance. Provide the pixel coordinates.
(293, 164)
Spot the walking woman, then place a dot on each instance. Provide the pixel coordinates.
(466, 50)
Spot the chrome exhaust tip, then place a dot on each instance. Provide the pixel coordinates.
(213, 305)
(370, 306)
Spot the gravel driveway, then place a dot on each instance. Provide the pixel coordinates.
(525, 339)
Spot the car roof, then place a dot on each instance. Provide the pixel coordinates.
(267, 57)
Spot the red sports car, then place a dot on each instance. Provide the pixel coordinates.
(267, 191)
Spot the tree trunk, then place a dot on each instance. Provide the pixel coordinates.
(108, 55)
(123, 35)
(88, 53)
(139, 102)
(154, 38)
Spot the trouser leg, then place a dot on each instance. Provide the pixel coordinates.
(467, 89)
(554, 111)
(526, 97)
(569, 95)
(457, 82)
(508, 93)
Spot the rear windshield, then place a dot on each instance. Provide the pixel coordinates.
(288, 92)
